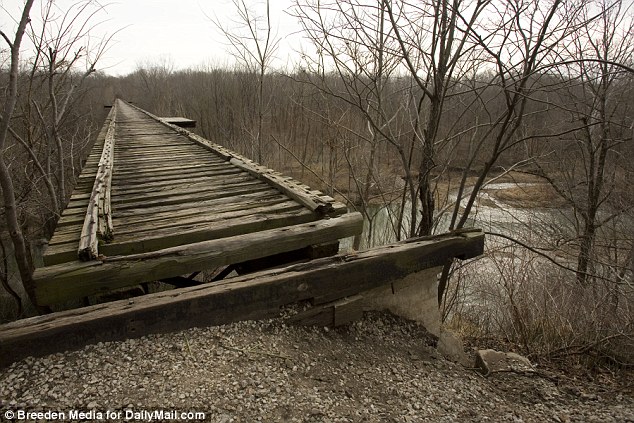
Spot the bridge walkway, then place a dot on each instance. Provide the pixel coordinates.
(155, 201)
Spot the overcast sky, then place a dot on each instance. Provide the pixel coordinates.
(178, 31)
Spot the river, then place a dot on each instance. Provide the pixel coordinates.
(489, 214)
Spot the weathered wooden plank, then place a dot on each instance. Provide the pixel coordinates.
(233, 204)
(130, 180)
(215, 190)
(184, 234)
(70, 216)
(134, 145)
(166, 170)
(180, 121)
(188, 169)
(208, 181)
(264, 196)
(180, 234)
(156, 158)
(237, 195)
(160, 180)
(74, 229)
(166, 143)
(77, 279)
(139, 230)
(248, 297)
(227, 218)
(166, 160)
(244, 188)
(88, 242)
(139, 141)
(168, 191)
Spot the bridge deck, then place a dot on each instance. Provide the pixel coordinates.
(155, 201)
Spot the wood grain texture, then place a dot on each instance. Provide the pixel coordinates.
(313, 202)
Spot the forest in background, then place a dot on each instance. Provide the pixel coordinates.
(417, 107)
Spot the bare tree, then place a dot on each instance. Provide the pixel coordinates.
(6, 180)
(597, 99)
(353, 40)
(254, 44)
(61, 54)
(44, 138)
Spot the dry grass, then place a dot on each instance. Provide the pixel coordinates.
(541, 309)
(528, 196)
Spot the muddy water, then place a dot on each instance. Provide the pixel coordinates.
(489, 213)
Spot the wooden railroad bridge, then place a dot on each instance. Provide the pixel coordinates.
(155, 202)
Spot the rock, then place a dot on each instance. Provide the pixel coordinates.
(450, 346)
(492, 361)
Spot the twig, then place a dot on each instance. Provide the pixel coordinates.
(189, 348)
(305, 166)
(582, 349)
(254, 351)
(7, 39)
(550, 259)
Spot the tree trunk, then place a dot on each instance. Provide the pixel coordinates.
(19, 243)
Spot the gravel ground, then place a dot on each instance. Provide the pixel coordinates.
(380, 369)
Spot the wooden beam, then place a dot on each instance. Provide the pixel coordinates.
(98, 218)
(79, 279)
(335, 313)
(284, 259)
(248, 297)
